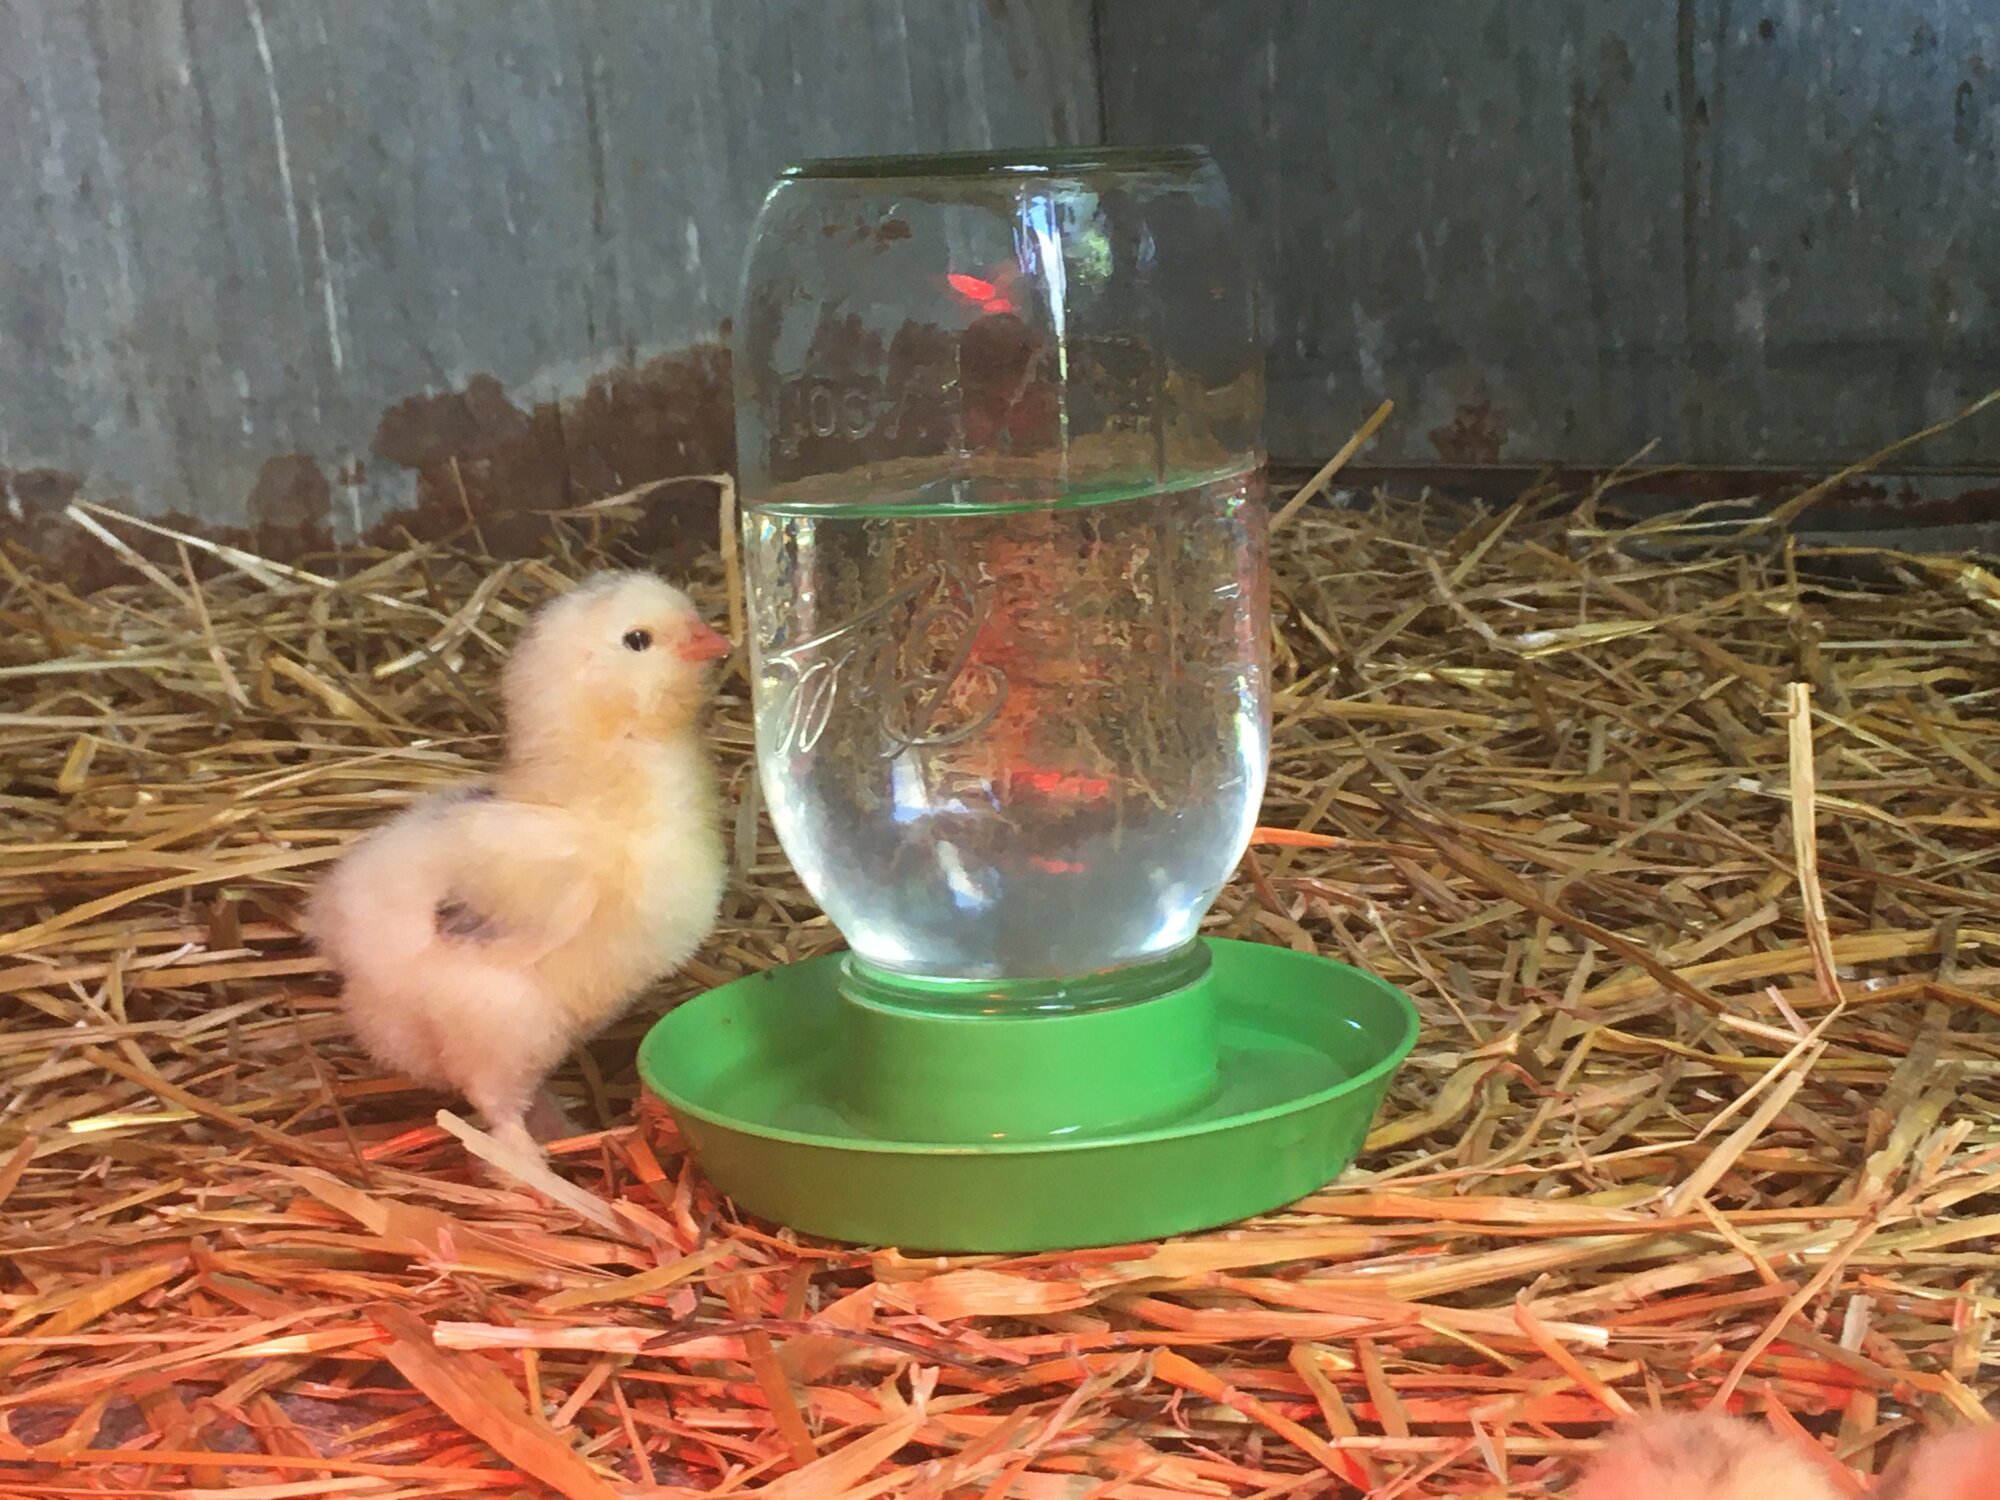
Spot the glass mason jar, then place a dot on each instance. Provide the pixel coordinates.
(999, 422)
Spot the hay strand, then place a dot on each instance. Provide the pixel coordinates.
(1689, 866)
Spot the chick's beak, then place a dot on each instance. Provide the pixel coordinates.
(702, 644)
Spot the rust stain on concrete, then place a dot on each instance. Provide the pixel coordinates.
(483, 465)
(1475, 435)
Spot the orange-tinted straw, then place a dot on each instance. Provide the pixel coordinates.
(1293, 838)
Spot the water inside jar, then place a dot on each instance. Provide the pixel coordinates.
(1010, 742)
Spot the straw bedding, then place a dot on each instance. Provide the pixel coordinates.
(1687, 856)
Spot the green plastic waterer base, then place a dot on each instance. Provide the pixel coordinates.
(984, 1134)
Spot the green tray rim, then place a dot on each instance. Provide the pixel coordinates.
(1234, 949)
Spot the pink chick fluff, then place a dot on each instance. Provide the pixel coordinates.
(487, 930)
(1959, 1465)
(1698, 1457)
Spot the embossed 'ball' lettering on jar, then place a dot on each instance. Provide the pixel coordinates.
(1004, 550)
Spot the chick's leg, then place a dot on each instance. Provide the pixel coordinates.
(504, 1095)
(516, 1136)
(501, 1096)
(508, 1039)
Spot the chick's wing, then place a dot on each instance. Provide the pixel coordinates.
(519, 881)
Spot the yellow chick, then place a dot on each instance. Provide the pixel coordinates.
(1701, 1457)
(487, 930)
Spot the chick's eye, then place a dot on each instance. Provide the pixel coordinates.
(638, 640)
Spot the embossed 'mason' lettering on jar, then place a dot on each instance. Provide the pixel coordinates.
(905, 662)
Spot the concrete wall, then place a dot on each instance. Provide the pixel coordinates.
(1759, 232)
(282, 261)
(313, 267)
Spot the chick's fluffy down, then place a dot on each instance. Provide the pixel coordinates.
(480, 938)
(1701, 1458)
